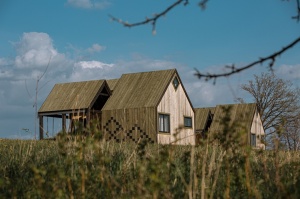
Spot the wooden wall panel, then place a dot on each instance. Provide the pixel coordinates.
(176, 103)
(129, 124)
(258, 129)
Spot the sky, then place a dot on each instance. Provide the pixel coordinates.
(78, 41)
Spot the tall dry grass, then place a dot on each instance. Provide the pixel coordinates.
(77, 167)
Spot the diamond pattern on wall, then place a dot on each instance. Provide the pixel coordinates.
(113, 133)
(142, 135)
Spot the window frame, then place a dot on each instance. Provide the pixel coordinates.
(253, 141)
(184, 124)
(164, 129)
(178, 83)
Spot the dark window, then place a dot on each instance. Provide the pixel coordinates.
(164, 123)
(188, 122)
(175, 83)
(253, 140)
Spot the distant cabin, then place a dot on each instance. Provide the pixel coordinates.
(148, 106)
(246, 116)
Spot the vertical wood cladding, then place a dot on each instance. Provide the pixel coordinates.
(258, 129)
(176, 103)
(134, 124)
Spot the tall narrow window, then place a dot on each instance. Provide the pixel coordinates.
(253, 140)
(175, 83)
(188, 122)
(164, 123)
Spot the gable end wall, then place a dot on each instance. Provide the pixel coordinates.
(176, 103)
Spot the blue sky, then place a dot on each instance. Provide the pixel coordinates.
(84, 44)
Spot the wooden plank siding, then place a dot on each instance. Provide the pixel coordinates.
(133, 124)
(258, 129)
(202, 116)
(131, 113)
(176, 103)
(72, 96)
(244, 117)
(112, 83)
(76, 101)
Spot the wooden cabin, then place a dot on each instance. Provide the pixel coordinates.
(246, 116)
(203, 120)
(151, 105)
(76, 101)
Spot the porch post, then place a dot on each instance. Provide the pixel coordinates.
(41, 127)
(63, 124)
(88, 118)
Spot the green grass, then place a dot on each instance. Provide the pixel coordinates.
(75, 167)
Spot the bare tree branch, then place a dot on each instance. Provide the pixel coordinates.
(153, 19)
(233, 69)
(297, 17)
(271, 58)
(203, 3)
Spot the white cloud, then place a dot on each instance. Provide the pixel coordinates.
(290, 71)
(35, 49)
(96, 48)
(5, 74)
(89, 4)
(92, 64)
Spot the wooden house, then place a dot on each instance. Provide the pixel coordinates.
(244, 116)
(151, 105)
(80, 101)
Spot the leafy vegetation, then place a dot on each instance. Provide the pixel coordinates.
(89, 167)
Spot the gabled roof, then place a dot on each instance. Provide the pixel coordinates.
(201, 117)
(242, 114)
(112, 83)
(138, 90)
(72, 96)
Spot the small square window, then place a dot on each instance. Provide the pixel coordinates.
(164, 123)
(188, 122)
(175, 83)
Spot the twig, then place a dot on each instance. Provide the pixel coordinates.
(202, 4)
(297, 17)
(271, 58)
(234, 69)
(153, 19)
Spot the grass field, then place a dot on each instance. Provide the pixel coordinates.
(76, 167)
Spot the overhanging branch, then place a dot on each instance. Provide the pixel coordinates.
(233, 68)
(271, 58)
(297, 17)
(153, 19)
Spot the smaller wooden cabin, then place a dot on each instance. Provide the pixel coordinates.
(203, 120)
(76, 101)
(245, 117)
(150, 105)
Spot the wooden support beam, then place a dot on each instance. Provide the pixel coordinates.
(41, 127)
(63, 123)
(88, 118)
(104, 94)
